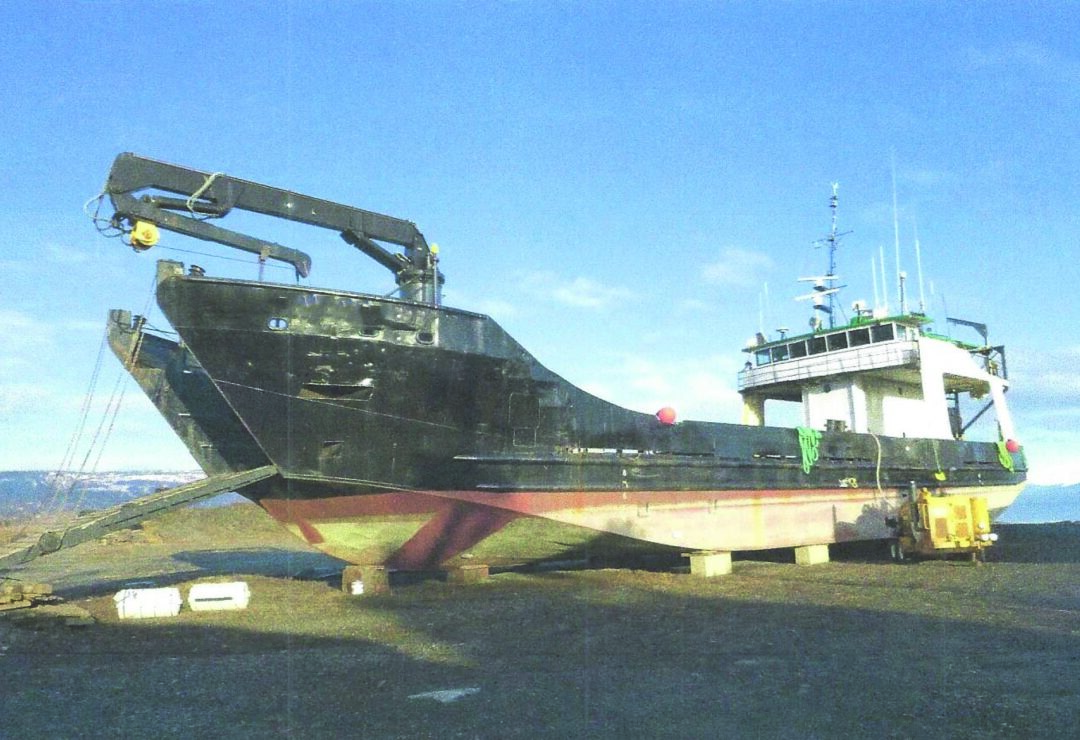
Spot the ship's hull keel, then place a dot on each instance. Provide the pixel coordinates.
(414, 530)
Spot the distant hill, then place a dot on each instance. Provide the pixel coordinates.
(25, 493)
(1045, 504)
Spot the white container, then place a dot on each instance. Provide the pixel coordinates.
(205, 597)
(141, 603)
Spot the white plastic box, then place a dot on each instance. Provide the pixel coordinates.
(141, 603)
(218, 596)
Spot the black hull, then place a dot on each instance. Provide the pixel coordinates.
(352, 395)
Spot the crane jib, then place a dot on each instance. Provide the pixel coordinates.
(145, 190)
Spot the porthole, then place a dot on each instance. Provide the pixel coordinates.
(277, 323)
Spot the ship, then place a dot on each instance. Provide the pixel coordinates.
(399, 432)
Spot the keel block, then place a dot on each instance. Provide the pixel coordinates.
(709, 563)
(811, 554)
(465, 574)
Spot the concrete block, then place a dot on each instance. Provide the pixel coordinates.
(142, 603)
(205, 597)
(468, 574)
(811, 554)
(365, 580)
(709, 564)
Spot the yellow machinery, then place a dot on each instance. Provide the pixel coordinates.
(930, 525)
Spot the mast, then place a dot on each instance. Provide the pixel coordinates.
(823, 284)
(832, 240)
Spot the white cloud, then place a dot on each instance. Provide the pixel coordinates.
(14, 322)
(84, 326)
(497, 308)
(22, 335)
(695, 305)
(23, 398)
(739, 268)
(1053, 456)
(581, 292)
(1047, 379)
(585, 293)
(1022, 54)
(52, 431)
(1056, 383)
(1038, 63)
(1053, 472)
(65, 255)
(924, 177)
(701, 388)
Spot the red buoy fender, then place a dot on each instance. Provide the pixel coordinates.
(666, 416)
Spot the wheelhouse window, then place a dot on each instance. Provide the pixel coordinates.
(883, 332)
(859, 337)
(837, 341)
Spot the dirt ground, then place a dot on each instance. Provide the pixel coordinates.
(858, 647)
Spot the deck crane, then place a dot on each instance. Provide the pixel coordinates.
(143, 194)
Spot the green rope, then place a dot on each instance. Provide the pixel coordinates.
(809, 440)
(939, 474)
(1005, 457)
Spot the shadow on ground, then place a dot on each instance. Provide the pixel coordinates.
(856, 647)
(844, 649)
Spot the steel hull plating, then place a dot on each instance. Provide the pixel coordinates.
(421, 437)
(413, 530)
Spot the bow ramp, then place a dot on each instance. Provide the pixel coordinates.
(100, 523)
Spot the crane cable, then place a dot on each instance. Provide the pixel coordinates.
(58, 496)
(63, 482)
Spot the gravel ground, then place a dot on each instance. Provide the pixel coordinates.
(856, 647)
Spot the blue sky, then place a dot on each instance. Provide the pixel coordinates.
(615, 182)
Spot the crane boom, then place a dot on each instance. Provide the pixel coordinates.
(144, 190)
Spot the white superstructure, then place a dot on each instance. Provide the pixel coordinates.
(886, 377)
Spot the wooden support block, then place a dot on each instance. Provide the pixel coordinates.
(15, 605)
(21, 594)
(811, 554)
(365, 580)
(468, 574)
(709, 564)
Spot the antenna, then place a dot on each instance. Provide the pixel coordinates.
(873, 276)
(764, 308)
(918, 267)
(884, 282)
(833, 241)
(896, 226)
